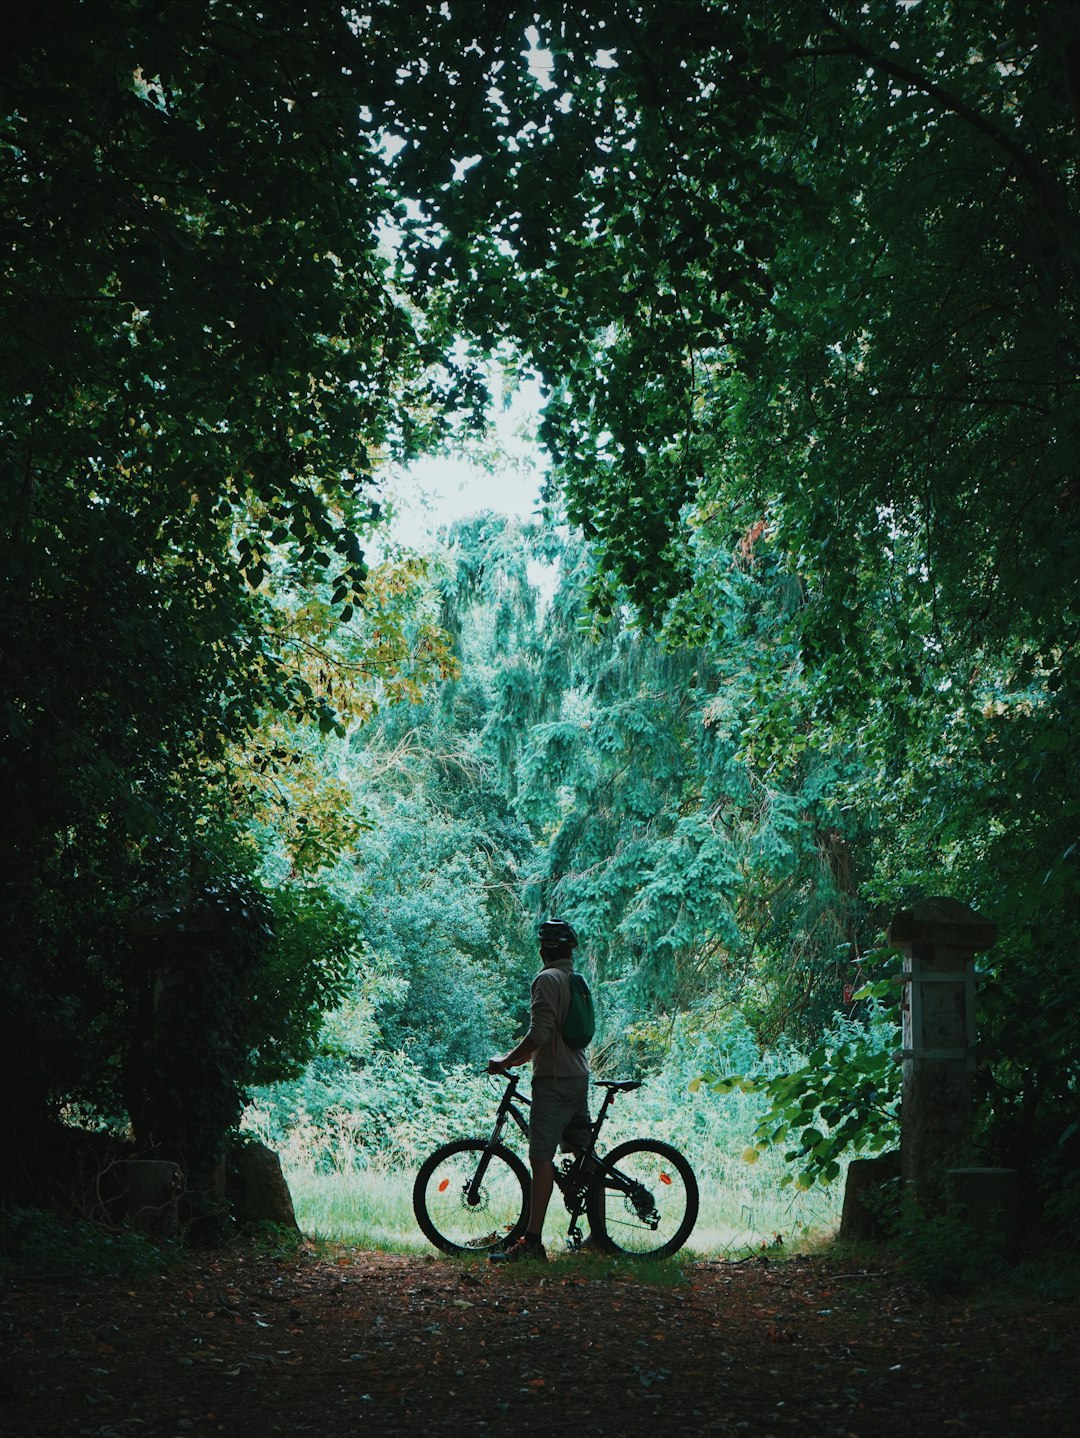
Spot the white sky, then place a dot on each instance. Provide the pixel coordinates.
(435, 491)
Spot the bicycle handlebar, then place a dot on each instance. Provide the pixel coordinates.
(614, 1086)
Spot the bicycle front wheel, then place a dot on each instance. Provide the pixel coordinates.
(460, 1215)
(648, 1205)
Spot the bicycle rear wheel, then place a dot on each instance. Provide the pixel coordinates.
(649, 1206)
(498, 1211)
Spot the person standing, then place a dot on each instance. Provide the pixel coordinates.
(560, 1081)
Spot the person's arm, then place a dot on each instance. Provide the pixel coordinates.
(543, 1019)
(519, 1054)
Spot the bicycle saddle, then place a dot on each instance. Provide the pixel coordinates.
(618, 1085)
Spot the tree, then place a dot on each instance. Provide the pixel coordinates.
(204, 364)
(701, 883)
(807, 279)
(801, 286)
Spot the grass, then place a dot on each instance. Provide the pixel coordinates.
(602, 1268)
(362, 1207)
(744, 1211)
(373, 1209)
(351, 1180)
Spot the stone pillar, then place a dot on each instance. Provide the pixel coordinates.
(939, 939)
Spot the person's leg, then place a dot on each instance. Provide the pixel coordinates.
(543, 1181)
(545, 1126)
(578, 1138)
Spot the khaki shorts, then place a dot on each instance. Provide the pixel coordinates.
(559, 1115)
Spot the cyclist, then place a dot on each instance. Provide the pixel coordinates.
(560, 1085)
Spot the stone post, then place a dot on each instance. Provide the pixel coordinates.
(939, 939)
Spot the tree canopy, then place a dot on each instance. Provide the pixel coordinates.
(204, 363)
(802, 282)
(800, 285)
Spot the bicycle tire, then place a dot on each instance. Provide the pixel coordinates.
(440, 1202)
(620, 1224)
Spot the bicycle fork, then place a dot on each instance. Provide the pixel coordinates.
(473, 1195)
(472, 1190)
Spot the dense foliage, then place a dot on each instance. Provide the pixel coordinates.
(800, 286)
(203, 364)
(803, 285)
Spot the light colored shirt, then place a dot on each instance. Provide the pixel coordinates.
(554, 1058)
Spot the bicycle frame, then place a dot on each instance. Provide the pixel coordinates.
(507, 1109)
(575, 1179)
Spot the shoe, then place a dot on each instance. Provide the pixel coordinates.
(525, 1250)
(589, 1245)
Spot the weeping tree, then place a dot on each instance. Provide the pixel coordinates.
(804, 281)
(702, 883)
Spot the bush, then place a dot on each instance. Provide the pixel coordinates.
(42, 1244)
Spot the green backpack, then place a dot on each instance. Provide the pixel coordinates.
(580, 1022)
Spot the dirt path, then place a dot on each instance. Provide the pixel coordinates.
(244, 1345)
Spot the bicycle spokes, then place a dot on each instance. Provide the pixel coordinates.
(468, 1197)
(646, 1202)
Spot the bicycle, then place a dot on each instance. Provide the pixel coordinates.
(472, 1195)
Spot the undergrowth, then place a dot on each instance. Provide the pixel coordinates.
(350, 1167)
(42, 1244)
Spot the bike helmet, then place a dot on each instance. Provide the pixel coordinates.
(557, 933)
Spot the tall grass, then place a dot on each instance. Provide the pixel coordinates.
(351, 1171)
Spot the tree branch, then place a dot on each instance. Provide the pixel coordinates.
(1021, 163)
